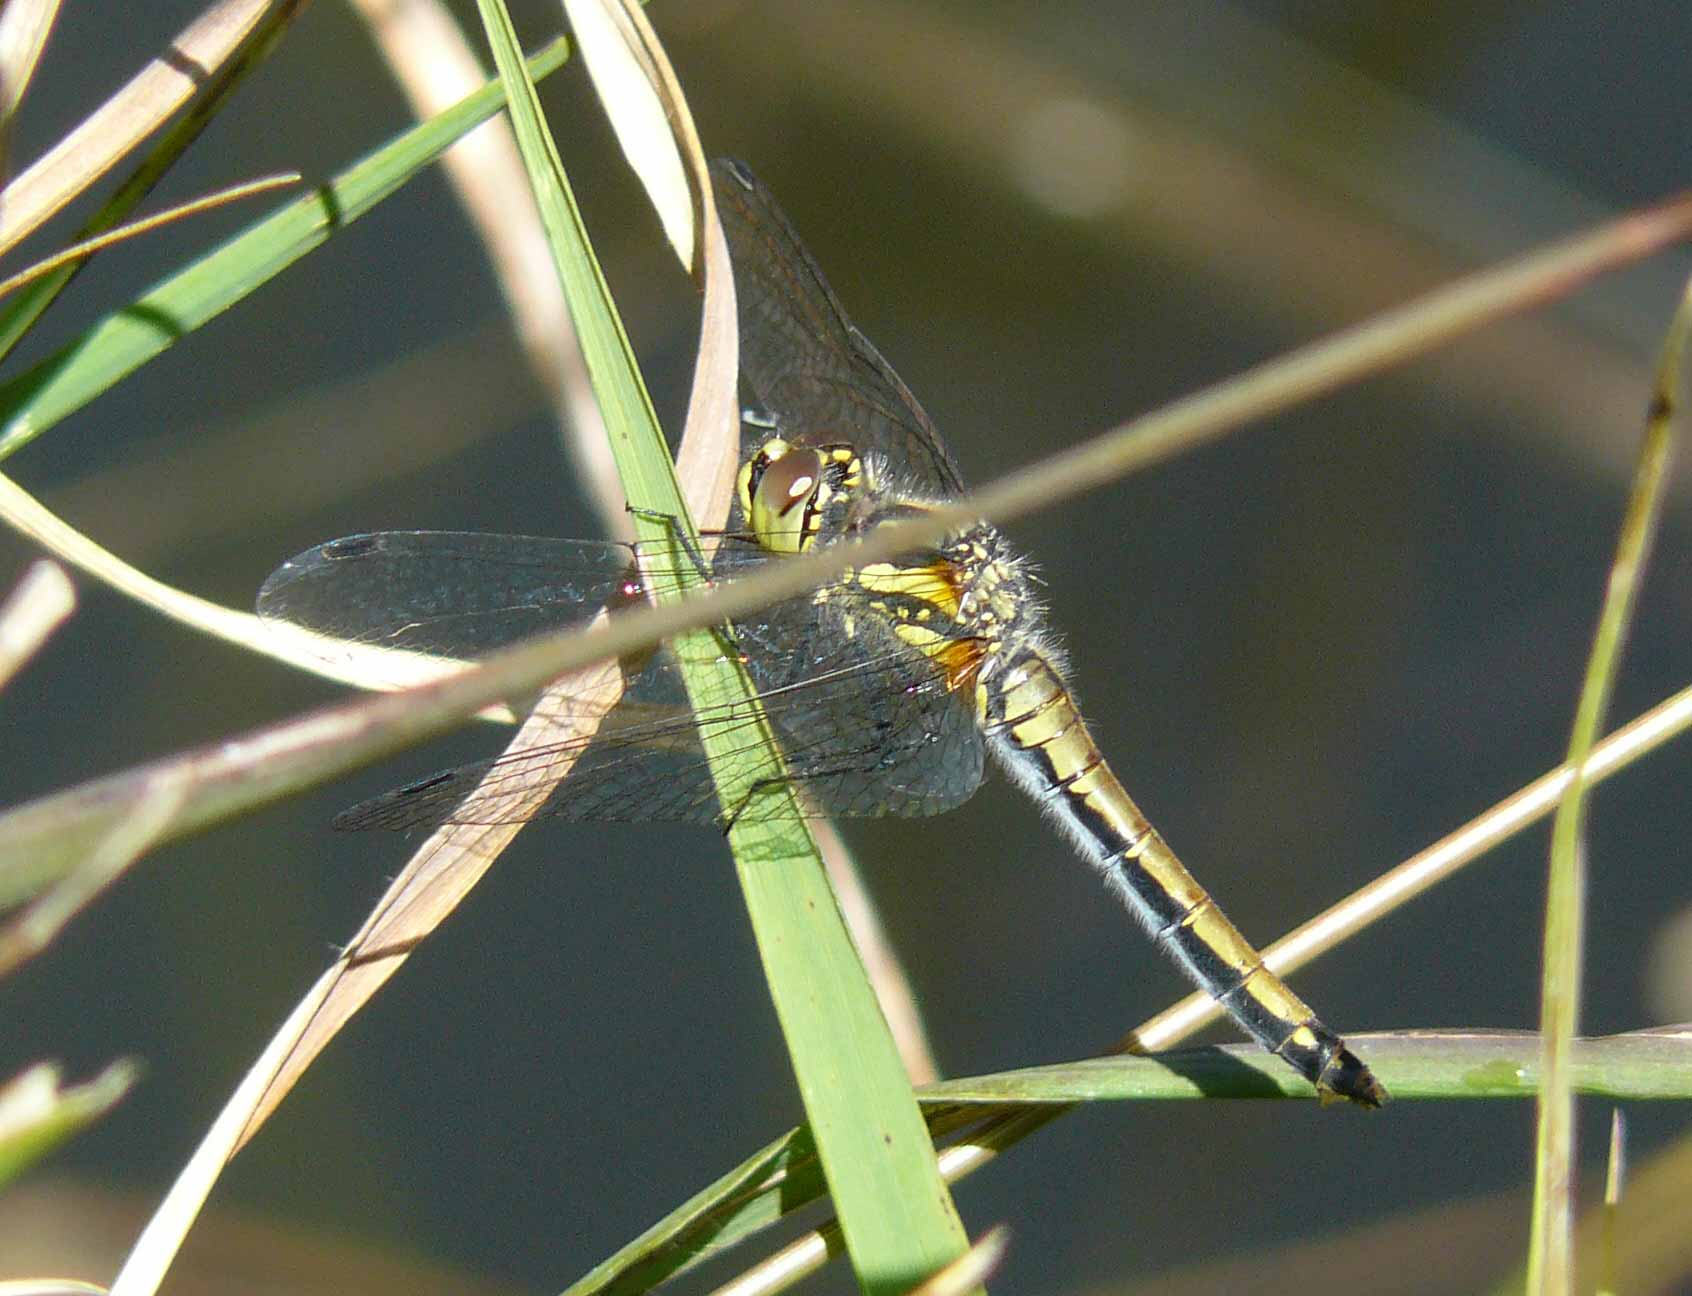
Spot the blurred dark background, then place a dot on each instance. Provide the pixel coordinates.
(1311, 649)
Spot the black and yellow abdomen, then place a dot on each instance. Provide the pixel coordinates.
(1040, 736)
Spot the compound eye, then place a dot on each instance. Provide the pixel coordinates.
(783, 496)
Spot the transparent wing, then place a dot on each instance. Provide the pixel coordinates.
(807, 362)
(452, 593)
(867, 725)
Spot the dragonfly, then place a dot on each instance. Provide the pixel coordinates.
(886, 689)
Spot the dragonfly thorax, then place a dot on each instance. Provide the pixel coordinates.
(968, 605)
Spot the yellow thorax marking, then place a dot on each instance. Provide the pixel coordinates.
(932, 584)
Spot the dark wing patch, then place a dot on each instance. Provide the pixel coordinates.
(805, 360)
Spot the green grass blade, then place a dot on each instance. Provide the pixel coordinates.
(1550, 1247)
(749, 1198)
(126, 339)
(19, 314)
(1641, 1065)
(896, 1213)
(37, 1113)
(780, 1179)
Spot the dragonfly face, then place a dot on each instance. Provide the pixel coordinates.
(885, 688)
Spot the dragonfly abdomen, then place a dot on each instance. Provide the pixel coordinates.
(1040, 736)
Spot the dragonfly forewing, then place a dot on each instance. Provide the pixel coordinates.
(811, 368)
(460, 594)
(867, 726)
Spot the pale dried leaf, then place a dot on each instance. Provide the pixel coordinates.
(151, 97)
(37, 606)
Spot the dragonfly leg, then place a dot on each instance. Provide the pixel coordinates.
(678, 533)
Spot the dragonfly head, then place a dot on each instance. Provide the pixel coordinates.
(787, 491)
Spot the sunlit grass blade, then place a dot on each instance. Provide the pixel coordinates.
(79, 251)
(37, 1112)
(164, 86)
(28, 933)
(970, 1270)
(126, 339)
(1493, 1065)
(1445, 1065)
(1615, 1175)
(35, 607)
(777, 1180)
(897, 1215)
(1652, 1249)
(1550, 1257)
(435, 63)
(224, 45)
(1635, 1239)
(368, 666)
(1641, 1065)
(24, 27)
(747, 1199)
